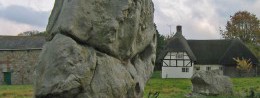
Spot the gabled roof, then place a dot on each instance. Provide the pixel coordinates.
(21, 42)
(179, 44)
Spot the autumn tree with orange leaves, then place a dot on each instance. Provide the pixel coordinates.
(244, 26)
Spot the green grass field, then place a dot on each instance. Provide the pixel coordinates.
(168, 88)
(178, 88)
(16, 91)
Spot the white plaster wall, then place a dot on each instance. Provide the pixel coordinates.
(204, 67)
(166, 62)
(172, 55)
(176, 72)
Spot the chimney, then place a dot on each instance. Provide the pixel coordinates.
(179, 30)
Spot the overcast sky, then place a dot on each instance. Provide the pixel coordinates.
(201, 19)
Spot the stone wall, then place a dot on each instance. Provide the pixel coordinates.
(21, 64)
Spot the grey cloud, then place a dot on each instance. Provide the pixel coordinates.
(162, 21)
(200, 19)
(25, 15)
(186, 14)
(225, 8)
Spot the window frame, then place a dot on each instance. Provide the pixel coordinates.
(185, 69)
(221, 68)
(208, 68)
(197, 68)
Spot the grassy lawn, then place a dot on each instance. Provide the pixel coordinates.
(168, 88)
(16, 91)
(177, 88)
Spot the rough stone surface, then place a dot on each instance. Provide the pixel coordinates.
(211, 83)
(97, 49)
(21, 63)
(120, 28)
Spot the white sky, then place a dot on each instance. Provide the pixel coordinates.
(201, 19)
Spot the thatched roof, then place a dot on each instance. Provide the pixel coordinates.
(237, 49)
(220, 51)
(21, 42)
(209, 52)
(179, 44)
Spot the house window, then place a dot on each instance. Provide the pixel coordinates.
(208, 68)
(179, 56)
(197, 68)
(220, 68)
(185, 69)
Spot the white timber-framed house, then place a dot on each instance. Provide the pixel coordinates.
(181, 58)
(178, 59)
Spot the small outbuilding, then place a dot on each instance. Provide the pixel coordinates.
(18, 56)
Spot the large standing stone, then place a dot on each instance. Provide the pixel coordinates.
(211, 83)
(97, 49)
(120, 28)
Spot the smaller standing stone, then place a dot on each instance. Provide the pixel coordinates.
(211, 83)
